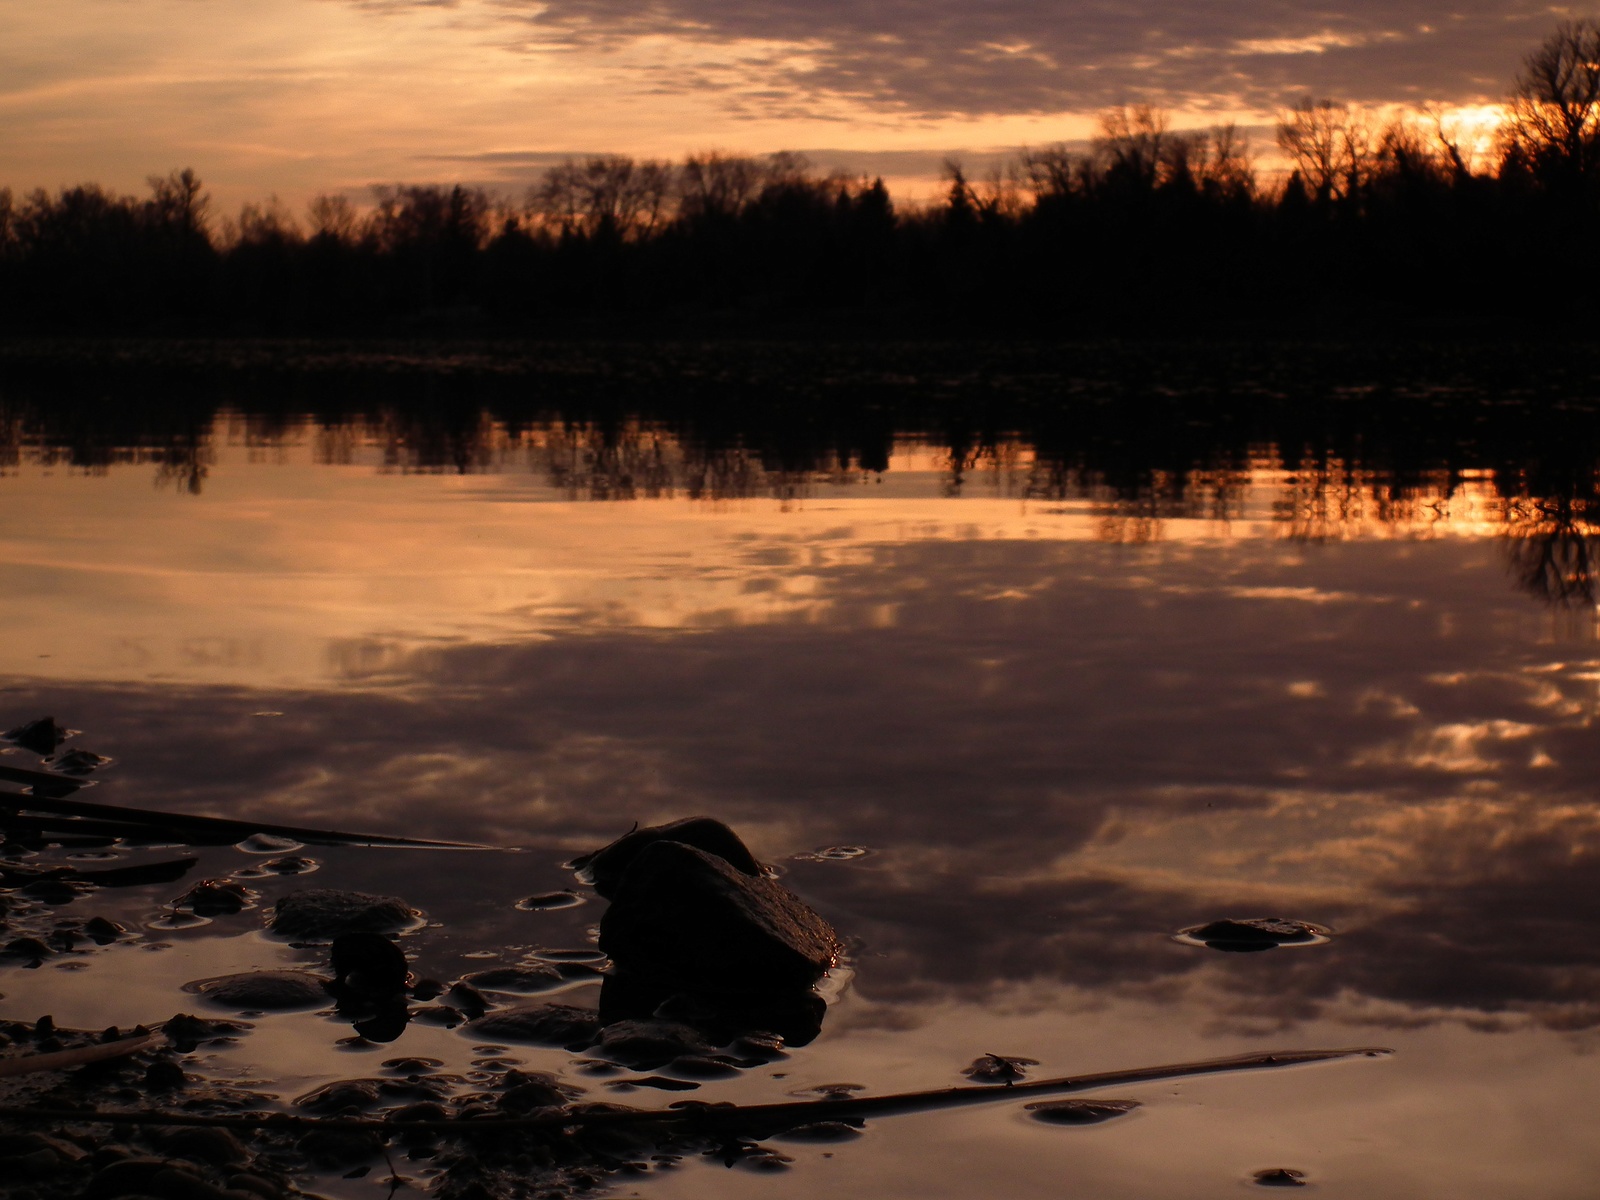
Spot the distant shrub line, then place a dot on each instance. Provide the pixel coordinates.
(1147, 227)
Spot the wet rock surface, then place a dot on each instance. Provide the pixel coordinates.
(540, 1024)
(998, 1068)
(322, 914)
(264, 990)
(538, 977)
(644, 1045)
(607, 866)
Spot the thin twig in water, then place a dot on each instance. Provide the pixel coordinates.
(774, 1116)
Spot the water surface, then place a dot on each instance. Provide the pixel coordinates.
(1064, 717)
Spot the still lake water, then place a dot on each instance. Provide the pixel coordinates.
(1060, 724)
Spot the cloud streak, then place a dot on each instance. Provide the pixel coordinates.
(941, 58)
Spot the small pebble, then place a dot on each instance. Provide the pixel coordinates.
(1280, 1177)
(1080, 1112)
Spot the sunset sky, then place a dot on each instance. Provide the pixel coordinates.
(298, 96)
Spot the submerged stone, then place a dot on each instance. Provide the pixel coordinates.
(342, 1094)
(322, 914)
(263, 989)
(541, 1024)
(538, 977)
(686, 915)
(102, 931)
(644, 1045)
(214, 898)
(608, 865)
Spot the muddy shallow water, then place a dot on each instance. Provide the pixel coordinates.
(1009, 741)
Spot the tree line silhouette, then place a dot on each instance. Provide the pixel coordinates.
(1386, 218)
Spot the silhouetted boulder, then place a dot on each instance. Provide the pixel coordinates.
(684, 915)
(369, 963)
(608, 865)
(322, 914)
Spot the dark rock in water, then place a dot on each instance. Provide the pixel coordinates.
(538, 977)
(541, 1024)
(26, 947)
(102, 931)
(368, 962)
(263, 989)
(998, 1068)
(1280, 1177)
(468, 999)
(79, 762)
(427, 989)
(186, 1032)
(342, 1095)
(685, 915)
(1080, 1112)
(645, 1045)
(41, 736)
(535, 1089)
(291, 865)
(549, 900)
(214, 898)
(1248, 934)
(322, 914)
(608, 865)
(52, 891)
